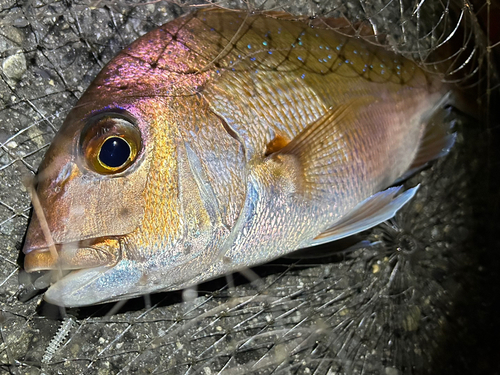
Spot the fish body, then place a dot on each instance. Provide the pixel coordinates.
(223, 140)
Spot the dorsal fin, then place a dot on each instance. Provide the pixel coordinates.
(436, 140)
(340, 24)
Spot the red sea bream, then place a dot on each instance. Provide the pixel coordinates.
(224, 140)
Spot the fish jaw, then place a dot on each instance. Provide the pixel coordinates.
(75, 255)
(95, 285)
(131, 278)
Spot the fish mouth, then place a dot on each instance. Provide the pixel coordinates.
(73, 255)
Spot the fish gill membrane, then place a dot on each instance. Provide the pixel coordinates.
(417, 301)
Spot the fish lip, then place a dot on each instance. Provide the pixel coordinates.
(73, 255)
(34, 249)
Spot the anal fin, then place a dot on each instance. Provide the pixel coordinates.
(343, 246)
(372, 211)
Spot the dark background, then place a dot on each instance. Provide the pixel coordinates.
(422, 300)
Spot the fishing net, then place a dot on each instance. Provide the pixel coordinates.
(419, 300)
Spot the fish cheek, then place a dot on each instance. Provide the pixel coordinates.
(80, 205)
(104, 206)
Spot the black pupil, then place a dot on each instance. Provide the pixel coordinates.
(115, 151)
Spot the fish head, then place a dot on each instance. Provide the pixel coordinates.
(88, 180)
(124, 198)
(128, 202)
(88, 189)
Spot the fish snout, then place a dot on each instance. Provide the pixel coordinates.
(35, 239)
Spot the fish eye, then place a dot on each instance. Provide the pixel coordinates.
(110, 144)
(114, 152)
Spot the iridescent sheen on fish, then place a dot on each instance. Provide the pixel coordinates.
(256, 135)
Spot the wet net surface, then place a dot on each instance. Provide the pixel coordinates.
(420, 300)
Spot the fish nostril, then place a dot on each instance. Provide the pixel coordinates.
(64, 174)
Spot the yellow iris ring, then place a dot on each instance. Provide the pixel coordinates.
(133, 153)
(99, 132)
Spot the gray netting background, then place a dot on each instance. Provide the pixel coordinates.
(421, 300)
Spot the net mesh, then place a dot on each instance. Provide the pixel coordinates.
(418, 300)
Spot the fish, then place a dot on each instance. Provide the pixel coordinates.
(223, 140)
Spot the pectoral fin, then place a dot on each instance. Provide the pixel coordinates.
(367, 214)
(323, 148)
